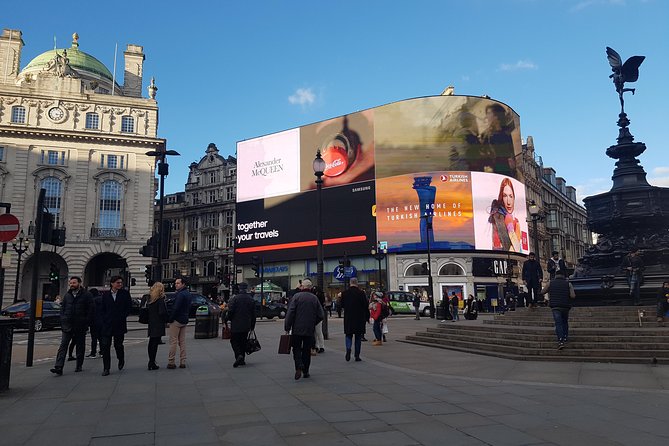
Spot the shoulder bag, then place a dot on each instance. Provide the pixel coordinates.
(252, 344)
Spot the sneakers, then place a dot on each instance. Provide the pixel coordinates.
(320, 350)
(171, 366)
(384, 338)
(105, 373)
(561, 345)
(71, 358)
(92, 355)
(57, 370)
(376, 343)
(78, 369)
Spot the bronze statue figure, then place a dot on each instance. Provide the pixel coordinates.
(623, 72)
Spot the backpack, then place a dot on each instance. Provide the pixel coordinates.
(385, 311)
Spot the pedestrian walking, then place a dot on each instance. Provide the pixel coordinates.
(155, 303)
(178, 320)
(560, 294)
(532, 277)
(241, 314)
(375, 316)
(555, 264)
(76, 315)
(416, 304)
(115, 307)
(356, 314)
(304, 313)
(633, 266)
(319, 339)
(471, 308)
(95, 326)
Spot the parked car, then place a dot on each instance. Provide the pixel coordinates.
(197, 301)
(401, 302)
(21, 312)
(271, 309)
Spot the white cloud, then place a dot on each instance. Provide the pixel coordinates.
(303, 97)
(580, 6)
(520, 65)
(659, 176)
(592, 187)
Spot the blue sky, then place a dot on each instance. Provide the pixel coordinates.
(232, 70)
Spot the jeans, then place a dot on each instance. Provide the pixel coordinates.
(358, 343)
(377, 329)
(561, 318)
(635, 287)
(105, 349)
(302, 346)
(454, 312)
(533, 293)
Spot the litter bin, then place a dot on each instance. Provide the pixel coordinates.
(443, 313)
(202, 323)
(6, 339)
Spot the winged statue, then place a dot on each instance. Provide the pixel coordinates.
(623, 72)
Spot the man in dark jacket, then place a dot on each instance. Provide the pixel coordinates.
(560, 292)
(633, 266)
(356, 315)
(76, 315)
(178, 320)
(242, 316)
(115, 307)
(532, 277)
(304, 312)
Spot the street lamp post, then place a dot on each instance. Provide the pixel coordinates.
(379, 254)
(535, 215)
(428, 234)
(20, 245)
(163, 171)
(319, 167)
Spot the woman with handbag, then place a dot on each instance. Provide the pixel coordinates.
(157, 312)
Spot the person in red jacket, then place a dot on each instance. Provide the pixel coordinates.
(375, 312)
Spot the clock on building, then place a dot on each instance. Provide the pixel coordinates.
(56, 114)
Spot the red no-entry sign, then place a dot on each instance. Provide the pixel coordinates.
(9, 227)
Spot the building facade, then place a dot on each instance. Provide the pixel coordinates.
(67, 127)
(202, 226)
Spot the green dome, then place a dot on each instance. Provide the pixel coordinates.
(79, 61)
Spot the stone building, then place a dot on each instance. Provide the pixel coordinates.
(202, 221)
(68, 127)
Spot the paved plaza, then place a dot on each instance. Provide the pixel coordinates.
(400, 394)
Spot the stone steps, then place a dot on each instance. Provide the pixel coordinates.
(600, 334)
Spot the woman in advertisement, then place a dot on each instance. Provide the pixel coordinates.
(505, 227)
(497, 143)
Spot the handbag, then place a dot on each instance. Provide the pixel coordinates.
(227, 333)
(284, 344)
(252, 344)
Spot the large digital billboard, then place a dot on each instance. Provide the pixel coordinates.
(454, 154)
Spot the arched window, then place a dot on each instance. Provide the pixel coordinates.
(92, 121)
(127, 124)
(451, 269)
(53, 197)
(416, 269)
(19, 114)
(111, 196)
(211, 269)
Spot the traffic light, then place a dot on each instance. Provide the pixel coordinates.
(257, 265)
(151, 247)
(54, 274)
(148, 273)
(219, 273)
(46, 230)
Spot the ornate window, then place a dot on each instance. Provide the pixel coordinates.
(229, 194)
(211, 269)
(228, 217)
(416, 269)
(52, 157)
(53, 197)
(92, 121)
(127, 124)
(2, 153)
(193, 243)
(228, 239)
(211, 196)
(451, 269)
(175, 246)
(19, 114)
(111, 197)
(212, 242)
